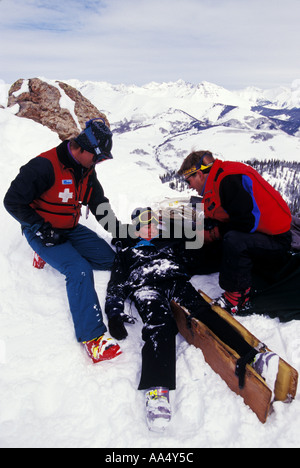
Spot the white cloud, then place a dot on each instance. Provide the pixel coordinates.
(233, 43)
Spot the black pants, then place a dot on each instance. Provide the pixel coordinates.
(160, 329)
(243, 251)
(237, 255)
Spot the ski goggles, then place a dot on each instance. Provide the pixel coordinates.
(197, 167)
(194, 169)
(147, 217)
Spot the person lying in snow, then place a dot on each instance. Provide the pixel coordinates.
(149, 270)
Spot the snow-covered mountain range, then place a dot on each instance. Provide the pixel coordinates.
(163, 121)
(158, 124)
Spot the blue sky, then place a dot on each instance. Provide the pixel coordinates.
(233, 43)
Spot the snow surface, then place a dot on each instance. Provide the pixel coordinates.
(51, 395)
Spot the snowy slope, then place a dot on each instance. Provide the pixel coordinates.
(51, 395)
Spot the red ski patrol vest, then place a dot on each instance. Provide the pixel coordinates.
(271, 213)
(61, 204)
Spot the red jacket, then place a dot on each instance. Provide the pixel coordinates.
(61, 204)
(236, 194)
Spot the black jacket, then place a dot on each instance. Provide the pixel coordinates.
(143, 263)
(37, 176)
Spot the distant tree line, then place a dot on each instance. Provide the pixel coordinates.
(284, 176)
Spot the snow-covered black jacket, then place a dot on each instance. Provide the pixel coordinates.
(143, 263)
(37, 177)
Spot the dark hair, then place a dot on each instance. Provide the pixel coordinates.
(194, 158)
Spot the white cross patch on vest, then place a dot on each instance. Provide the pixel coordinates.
(65, 195)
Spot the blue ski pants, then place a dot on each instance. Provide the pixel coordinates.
(83, 252)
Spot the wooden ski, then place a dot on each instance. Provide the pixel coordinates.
(287, 379)
(223, 359)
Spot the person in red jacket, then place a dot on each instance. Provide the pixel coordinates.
(245, 217)
(46, 198)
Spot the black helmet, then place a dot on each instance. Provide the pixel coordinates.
(96, 138)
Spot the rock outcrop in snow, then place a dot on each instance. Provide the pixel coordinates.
(58, 106)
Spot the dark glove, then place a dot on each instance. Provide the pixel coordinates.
(50, 236)
(211, 230)
(211, 235)
(116, 327)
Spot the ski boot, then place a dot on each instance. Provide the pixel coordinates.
(266, 365)
(233, 302)
(158, 408)
(102, 349)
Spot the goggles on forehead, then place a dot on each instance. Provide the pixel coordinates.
(198, 167)
(147, 216)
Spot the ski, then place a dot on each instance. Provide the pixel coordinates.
(287, 379)
(223, 359)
